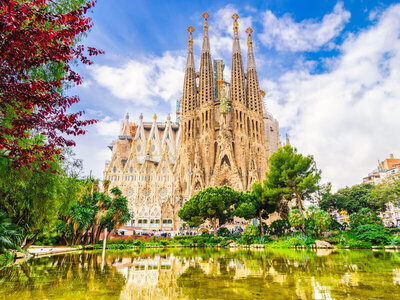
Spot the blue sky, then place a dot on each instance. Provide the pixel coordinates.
(331, 71)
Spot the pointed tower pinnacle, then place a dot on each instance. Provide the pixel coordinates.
(237, 73)
(206, 42)
(190, 59)
(251, 64)
(189, 85)
(287, 140)
(236, 44)
(254, 101)
(206, 81)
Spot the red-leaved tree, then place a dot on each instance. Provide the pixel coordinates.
(34, 111)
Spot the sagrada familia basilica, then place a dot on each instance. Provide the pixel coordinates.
(224, 137)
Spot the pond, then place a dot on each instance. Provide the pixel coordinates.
(187, 273)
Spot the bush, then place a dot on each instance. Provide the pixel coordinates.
(393, 230)
(296, 219)
(375, 234)
(358, 244)
(364, 216)
(395, 241)
(250, 234)
(295, 241)
(184, 237)
(309, 241)
(223, 231)
(279, 227)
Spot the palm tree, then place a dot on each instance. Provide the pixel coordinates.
(10, 235)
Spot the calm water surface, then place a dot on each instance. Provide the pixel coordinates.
(206, 274)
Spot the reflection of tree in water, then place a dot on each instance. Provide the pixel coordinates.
(70, 275)
(208, 273)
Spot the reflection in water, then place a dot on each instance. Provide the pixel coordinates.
(206, 273)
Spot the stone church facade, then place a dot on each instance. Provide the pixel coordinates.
(224, 137)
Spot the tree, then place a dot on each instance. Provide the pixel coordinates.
(37, 47)
(215, 204)
(294, 174)
(317, 221)
(364, 216)
(297, 219)
(259, 203)
(32, 197)
(352, 199)
(88, 217)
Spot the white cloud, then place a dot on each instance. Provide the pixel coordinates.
(144, 81)
(308, 35)
(347, 117)
(108, 127)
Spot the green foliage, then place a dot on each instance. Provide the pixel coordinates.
(296, 219)
(374, 234)
(10, 235)
(250, 234)
(352, 199)
(358, 244)
(279, 227)
(295, 241)
(258, 203)
(363, 217)
(213, 204)
(309, 241)
(93, 213)
(293, 175)
(33, 198)
(395, 241)
(223, 231)
(317, 221)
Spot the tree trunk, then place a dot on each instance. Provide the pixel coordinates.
(29, 242)
(261, 224)
(77, 240)
(214, 224)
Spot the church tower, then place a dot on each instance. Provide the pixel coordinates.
(224, 137)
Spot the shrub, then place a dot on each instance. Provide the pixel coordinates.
(358, 244)
(250, 234)
(265, 239)
(296, 219)
(375, 234)
(309, 241)
(395, 241)
(223, 231)
(393, 230)
(279, 227)
(183, 237)
(364, 216)
(295, 241)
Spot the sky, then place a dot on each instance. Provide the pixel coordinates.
(330, 69)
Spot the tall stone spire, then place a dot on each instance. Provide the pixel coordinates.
(189, 85)
(254, 101)
(206, 82)
(237, 74)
